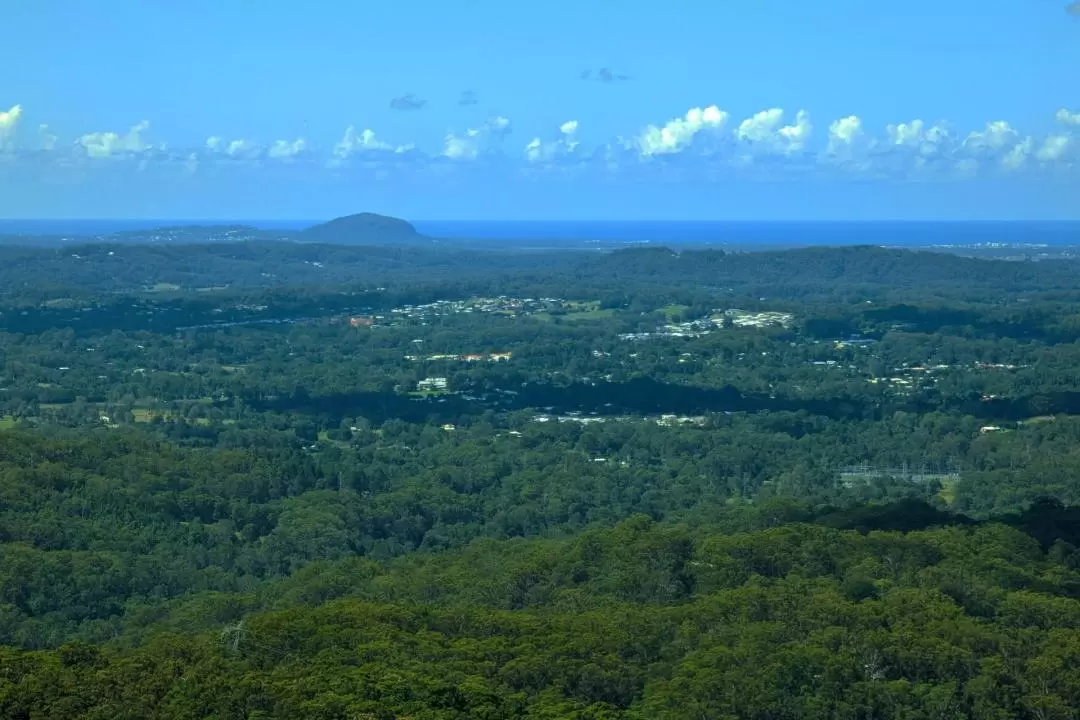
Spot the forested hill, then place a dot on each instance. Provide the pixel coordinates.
(125, 267)
(364, 229)
(864, 264)
(274, 479)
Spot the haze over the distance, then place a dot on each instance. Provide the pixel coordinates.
(841, 109)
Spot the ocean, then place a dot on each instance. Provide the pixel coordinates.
(891, 233)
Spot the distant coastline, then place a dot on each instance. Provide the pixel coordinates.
(743, 233)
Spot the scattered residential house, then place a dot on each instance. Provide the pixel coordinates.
(432, 383)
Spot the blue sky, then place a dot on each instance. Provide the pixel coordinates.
(493, 110)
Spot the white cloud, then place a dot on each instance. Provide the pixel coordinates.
(849, 145)
(1054, 148)
(998, 141)
(534, 150)
(364, 141)
(462, 147)
(108, 144)
(704, 138)
(1068, 118)
(239, 149)
(567, 144)
(996, 136)
(679, 134)
(845, 134)
(46, 140)
(285, 150)
(477, 141)
(927, 142)
(763, 131)
(499, 126)
(796, 135)
(1017, 157)
(967, 167)
(9, 123)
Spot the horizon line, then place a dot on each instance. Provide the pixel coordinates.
(549, 221)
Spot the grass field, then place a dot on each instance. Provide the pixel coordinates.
(589, 315)
(428, 393)
(673, 311)
(577, 312)
(948, 491)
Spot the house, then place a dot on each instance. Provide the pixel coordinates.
(432, 383)
(361, 321)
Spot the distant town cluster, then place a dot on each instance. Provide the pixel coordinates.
(720, 319)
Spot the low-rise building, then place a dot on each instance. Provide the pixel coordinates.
(432, 383)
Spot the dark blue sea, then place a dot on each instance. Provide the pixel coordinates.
(890, 233)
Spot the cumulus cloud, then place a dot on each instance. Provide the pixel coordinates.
(408, 101)
(110, 144)
(764, 131)
(845, 133)
(363, 144)
(997, 135)
(9, 123)
(567, 144)
(286, 150)
(703, 142)
(239, 149)
(1018, 155)
(678, 134)
(1054, 148)
(468, 97)
(1068, 118)
(849, 146)
(926, 142)
(996, 142)
(499, 126)
(242, 148)
(354, 142)
(477, 141)
(465, 146)
(46, 140)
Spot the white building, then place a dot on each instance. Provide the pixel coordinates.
(432, 383)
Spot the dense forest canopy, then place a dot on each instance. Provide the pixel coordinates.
(263, 478)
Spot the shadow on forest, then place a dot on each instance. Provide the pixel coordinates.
(641, 397)
(645, 396)
(1047, 519)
